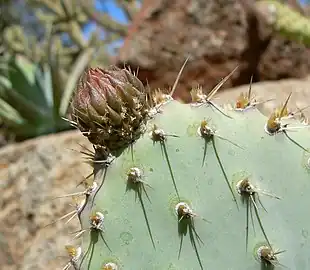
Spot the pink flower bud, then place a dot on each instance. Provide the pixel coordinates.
(110, 107)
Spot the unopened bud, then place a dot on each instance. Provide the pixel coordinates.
(110, 107)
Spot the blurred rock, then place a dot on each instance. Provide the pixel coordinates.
(218, 35)
(31, 173)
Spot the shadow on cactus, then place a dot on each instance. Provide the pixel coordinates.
(144, 138)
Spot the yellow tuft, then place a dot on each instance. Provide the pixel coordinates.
(71, 250)
(242, 102)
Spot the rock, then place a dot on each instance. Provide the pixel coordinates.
(218, 35)
(31, 173)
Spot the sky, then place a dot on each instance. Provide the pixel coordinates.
(113, 9)
(108, 6)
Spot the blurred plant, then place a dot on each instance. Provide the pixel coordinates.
(31, 104)
(287, 19)
(67, 20)
(39, 71)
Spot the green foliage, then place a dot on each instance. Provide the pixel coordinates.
(33, 104)
(34, 96)
(39, 34)
(201, 188)
(286, 21)
(29, 106)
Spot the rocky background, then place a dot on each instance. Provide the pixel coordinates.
(218, 35)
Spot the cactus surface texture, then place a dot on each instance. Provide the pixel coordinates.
(200, 187)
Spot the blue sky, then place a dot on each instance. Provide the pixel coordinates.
(108, 6)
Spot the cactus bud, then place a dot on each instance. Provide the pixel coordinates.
(110, 107)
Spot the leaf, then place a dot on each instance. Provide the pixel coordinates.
(43, 80)
(9, 114)
(22, 78)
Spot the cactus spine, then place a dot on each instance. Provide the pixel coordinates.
(197, 187)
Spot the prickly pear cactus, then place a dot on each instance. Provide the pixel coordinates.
(188, 186)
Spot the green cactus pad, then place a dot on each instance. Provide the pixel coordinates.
(142, 188)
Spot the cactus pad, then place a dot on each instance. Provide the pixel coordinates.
(201, 187)
(199, 190)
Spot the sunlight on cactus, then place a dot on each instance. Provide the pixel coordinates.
(158, 195)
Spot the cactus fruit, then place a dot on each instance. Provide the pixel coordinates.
(198, 187)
